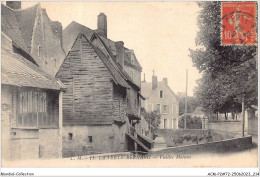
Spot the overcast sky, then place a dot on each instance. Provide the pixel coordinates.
(160, 33)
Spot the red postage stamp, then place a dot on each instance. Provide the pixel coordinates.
(238, 23)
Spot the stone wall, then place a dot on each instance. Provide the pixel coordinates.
(49, 143)
(34, 143)
(220, 146)
(228, 126)
(84, 140)
(24, 144)
(181, 137)
(253, 126)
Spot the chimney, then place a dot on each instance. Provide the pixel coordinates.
(154, 81)
(102, 24)
(16, 5)
(144, 78)
(120, 53)
(165, 81)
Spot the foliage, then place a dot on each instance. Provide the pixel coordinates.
(192, 103)
(191, 122)
(153, 118)
(228, 72)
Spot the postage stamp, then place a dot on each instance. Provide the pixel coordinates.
(238, 23)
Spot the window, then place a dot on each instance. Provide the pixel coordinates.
(158, 108)
(174, 108)
(39, 51)
(164, 123)
(90, 139)
(165, 109)
(32, 109)
(70, 135)
(161, 94)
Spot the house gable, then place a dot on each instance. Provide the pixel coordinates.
(89, 95)
(168, 94)
(87, 75)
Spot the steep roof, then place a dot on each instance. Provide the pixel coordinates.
(11, 27)
(146, 88)
(112, 46)
(118, 78)
(18, 25)
(18, 71)
(116, 75)
(71, 32)
(26, 19)
(124, 73)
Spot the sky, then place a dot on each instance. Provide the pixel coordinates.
(160, 33)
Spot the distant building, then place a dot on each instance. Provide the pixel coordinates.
(160, 97)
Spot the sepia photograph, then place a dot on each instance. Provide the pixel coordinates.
(129, 84)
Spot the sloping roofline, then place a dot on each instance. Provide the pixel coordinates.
(126, 76)
(117, 81)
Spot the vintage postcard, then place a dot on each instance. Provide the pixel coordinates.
(129, 84)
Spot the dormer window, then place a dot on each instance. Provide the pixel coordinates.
(39, 51)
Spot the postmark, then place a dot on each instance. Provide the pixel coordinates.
(238, 23)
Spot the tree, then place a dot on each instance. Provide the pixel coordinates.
(191, 122)
(153, 118)
(192, 103)
(228, 72)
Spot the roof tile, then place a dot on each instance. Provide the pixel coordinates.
(18, 71)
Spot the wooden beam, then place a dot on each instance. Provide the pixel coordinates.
(60, 123)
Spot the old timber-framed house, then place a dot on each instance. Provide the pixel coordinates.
(31, 106)
(101, 105)
(31, 98)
